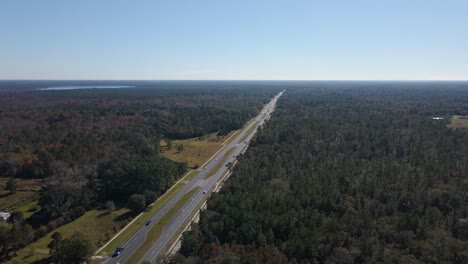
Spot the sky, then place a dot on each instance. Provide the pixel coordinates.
(234, 40)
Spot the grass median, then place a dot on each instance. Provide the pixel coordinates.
(251, 129)
(218, 166)
(155, 232)
(190, 176)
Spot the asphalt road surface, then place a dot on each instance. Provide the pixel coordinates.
(194, 204)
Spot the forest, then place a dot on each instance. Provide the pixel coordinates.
(345, 173)
(100, 148)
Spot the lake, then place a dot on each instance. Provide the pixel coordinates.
(84, 87)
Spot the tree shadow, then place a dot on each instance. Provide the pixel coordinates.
(104, 213)
(125, 216)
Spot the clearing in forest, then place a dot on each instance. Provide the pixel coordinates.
(194, 151)
(459, 122)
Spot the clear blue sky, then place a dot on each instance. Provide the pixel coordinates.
(307, 40)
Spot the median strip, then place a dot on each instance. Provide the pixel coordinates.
(251, 129)
(155, 232)
(219, 164)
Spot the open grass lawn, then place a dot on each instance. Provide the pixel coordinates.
(13, 201)
(97, 225)
(195, 152)
(29, 208)
(456, 122)
(27, 192)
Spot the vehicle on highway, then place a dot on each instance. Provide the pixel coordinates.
(117, 252)
(148, 222)
(204, 192)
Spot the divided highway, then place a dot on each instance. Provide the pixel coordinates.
(206, 185)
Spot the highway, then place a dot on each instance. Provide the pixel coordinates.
(206, 186)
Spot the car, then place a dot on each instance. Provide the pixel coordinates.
(204, 192)
(148, 222)
(245, 142)
(117, 252)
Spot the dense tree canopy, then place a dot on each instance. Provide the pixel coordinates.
(347, 173)
(92, 146)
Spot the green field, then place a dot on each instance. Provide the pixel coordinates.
(27, 192)
(98, 225)
(29, 208)
(196, 151)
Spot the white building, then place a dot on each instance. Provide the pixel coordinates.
(4, 216)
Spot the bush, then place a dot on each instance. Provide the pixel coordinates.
(77, 212)
(40, 232)
(110, 206)
(150, 197)
(137, 203)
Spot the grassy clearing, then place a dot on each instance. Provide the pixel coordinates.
(196, 151)
(97, 225)
(156, 230)
(27, 256)
(456, 122)
(251, 129)
(27, 192)
(29, 209)
(11, 202)
(22, 184)
(125, 235)
(219, 164)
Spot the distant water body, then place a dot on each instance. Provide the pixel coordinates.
(84, 87)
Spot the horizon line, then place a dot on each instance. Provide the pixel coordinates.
(263, 80)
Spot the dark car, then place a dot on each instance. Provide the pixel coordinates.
(117, 252)
(148, 222)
